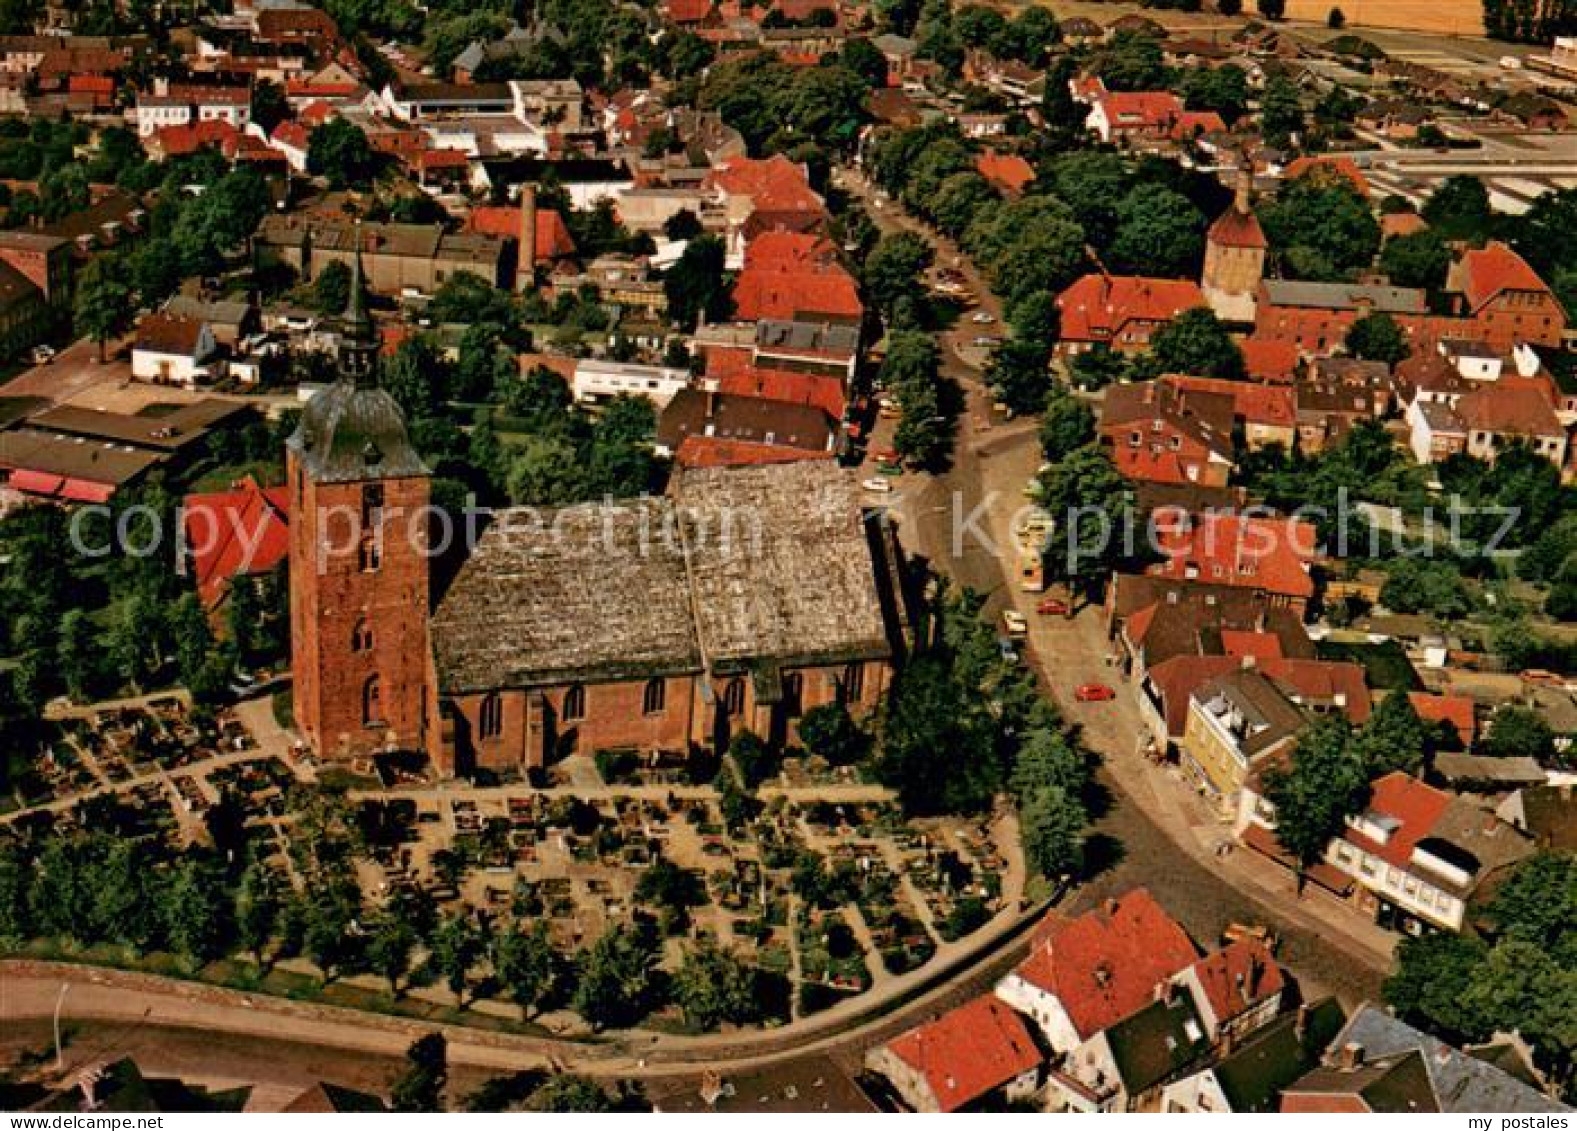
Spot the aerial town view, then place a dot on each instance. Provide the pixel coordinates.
(652, 556)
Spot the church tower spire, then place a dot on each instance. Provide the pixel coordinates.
(358, 337)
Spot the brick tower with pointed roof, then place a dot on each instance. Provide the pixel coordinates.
(1235, 256)
(359, 601)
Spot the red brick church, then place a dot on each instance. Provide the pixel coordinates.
(739, 600)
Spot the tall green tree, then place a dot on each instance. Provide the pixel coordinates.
(1377, 337)
(1327, 783)
(696, 286)
(104, 302)
(421, 1087)
(1052, 824)
(1195, 342)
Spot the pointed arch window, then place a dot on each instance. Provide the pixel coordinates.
(851, 689)
(654, 697)
(372, 702)
(361, 637)
(574, 704)
(734, 698)
(490, 722)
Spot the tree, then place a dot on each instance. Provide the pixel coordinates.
(1159, 232)
(1459, 209)
(1222, 89)
(893, 271)
(1132, 61)
(1195, 342)
(712, 987)
(1377, 337)
(1019, 374)
(1068, 424)
(912, 371)
(1280, 112)
(865, 59)
(1537, 904)
(1047, 760)
(695, 286)
(1322, 227)
(682, 225)
(527, 966)
(933, 751)
(1420, 259)
(1087, 499)
(258, 904)
(1431, 982)
(1052, 824)
(1519, 732)
(1395, 738)
(570, 1095)
(77, 653)
(269, 106)
(1327, 783)
(103, 303)
(828, 731)
(421, 1088)
(331, 289)
(617, 983)
(389, 949)
(751, 755)
(454, 950)
(196, 911)
(339, 152)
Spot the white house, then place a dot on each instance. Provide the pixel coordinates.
(597, 380)
(172, 350)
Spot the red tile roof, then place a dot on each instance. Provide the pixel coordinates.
(91, 84)
(1494, 269)
(1238, 977)
(293, 134)
(806, 293)
(1323, 681)
(1191, 123)
(783, 250)
(176, 141)
(1415, 807)
(1456, 710)
(1266, 405)
(773, 184)
(1008, 171)
(965, 1054)
(1234, 228)
(1341, 168)
(1132, 110)
(1104, 965)
(235, 533)
(1097, 307)
(823, 391)
(1146, 465)
(1258, 552)
(710, 451)
(1260, 645)
(688, 11)
(553, 238)
(169, 333)
(1268, 359)
(1512, 406)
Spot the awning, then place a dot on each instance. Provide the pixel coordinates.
(86, 491)
(34, 482)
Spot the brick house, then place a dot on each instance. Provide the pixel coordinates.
(1120, 312)
(1159, 431)
(1507, 301)
(981, 1050)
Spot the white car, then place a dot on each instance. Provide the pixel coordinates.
(984, 318)
(878, 485)
(1015, 624)
(43, 355)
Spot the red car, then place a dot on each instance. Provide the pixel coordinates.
(1094, 693)
(885, 455)
(1052, 607)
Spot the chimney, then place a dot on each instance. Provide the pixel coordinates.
(526, 266)
(1350, 1057)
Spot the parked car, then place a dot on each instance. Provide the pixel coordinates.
(983, 318)
(1053, 607)
(43, 355)
(878, 485)
(1094, 693)
(1016, 624)
(885, 455)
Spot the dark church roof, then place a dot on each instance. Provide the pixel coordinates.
(350, 432)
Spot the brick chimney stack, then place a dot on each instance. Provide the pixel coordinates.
(526, 268)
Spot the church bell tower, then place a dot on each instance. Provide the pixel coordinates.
(359, 547)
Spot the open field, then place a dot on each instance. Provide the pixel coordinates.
(1451, 17)
(1441, 17)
